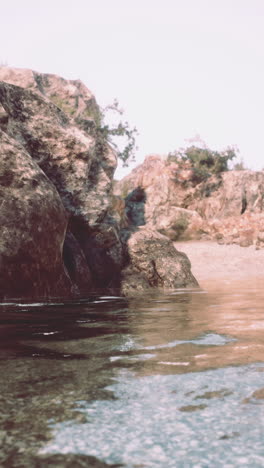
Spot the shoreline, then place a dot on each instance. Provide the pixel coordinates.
(215, 263)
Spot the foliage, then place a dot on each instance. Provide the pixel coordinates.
(107, 133)
(203, 161)
(179, 227)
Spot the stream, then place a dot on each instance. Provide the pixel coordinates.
(170, 379)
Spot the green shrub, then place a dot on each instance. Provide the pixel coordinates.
(205, 162)
(180, 226)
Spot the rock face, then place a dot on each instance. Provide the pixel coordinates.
(228, 208)
(61, 226)
(165, 205)
(30, 210)
(71, 96)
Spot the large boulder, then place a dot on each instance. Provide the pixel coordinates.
(69, 156)
(154, 262)
(33, 225)
(71, 96)
(62, 151)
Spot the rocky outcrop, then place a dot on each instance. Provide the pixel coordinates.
(164, 198)
(228, 208)
(71, 96)
(62, 229)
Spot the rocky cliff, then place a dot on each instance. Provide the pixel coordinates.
(61, 235)
(228, 207)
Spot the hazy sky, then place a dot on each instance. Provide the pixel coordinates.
(178, 67)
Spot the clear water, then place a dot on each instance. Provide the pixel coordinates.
(173, 379)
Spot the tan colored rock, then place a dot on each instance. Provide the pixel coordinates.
(228, 208)
(71, 96)
(238, 192)
(163, 206)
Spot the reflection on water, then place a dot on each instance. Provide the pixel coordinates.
(169, 379)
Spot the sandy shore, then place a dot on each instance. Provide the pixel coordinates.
(211, 261)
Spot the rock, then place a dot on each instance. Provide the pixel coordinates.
(71, 96)
(237, 193)
(159, 264)
(163, 202)
(117, 211)
(76, 265)
(73, 232)
(60, 149)
(135, 207)
(33, 225)
(260, 239)
(228, 207)
(68, 156)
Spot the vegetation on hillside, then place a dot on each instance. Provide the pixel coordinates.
(204, 161)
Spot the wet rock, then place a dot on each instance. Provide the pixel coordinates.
(70, 460)
(192, 408)
(214, 394)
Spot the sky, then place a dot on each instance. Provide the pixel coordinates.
(179, 68)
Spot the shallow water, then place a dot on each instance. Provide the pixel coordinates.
(172, 379)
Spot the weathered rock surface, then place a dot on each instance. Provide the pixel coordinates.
(71, 96)
(58, 187)
(33, 225)
(154, 262)
(228, 208)
(164, 204)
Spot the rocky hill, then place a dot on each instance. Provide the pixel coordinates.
(62, 233)
(228, 207)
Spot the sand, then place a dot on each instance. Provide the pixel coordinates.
(213, 262)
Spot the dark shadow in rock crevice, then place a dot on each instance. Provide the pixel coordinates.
(135, 206)
(135, 215)
(93, 257)
(244, 201)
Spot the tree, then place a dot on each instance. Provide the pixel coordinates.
(120, 135)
